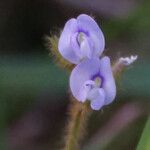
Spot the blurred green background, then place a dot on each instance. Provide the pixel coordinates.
(34, 93)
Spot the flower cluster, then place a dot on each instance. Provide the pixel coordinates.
(82, 43)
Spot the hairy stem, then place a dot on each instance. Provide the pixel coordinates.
(79, 113)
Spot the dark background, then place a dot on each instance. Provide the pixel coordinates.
(34, 91)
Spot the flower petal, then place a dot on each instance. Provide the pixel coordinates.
(108, 85)
(97, 98)
(86, 88)
(75, 46)
(80, 74)
(87, 24)
(85, 49)
(64, 45)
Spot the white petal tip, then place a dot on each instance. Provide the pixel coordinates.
(128, 60)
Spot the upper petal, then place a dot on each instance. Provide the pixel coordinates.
(108, 84)
(82, 73)
(87, 24)
(64, 45)
(97, 98)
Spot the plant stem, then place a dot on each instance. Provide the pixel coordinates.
(79, 113)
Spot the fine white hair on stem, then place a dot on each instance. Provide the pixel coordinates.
(128, 60)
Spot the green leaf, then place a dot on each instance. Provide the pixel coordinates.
(144, 143)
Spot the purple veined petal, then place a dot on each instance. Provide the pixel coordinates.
(64, 45)
(80, 74)
(87, 24)
(108, 85)
(97, 98)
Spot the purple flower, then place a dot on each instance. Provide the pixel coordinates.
(81, 38)
(93, 80)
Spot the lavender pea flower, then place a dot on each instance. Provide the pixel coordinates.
(81, 38)
(93, 80)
